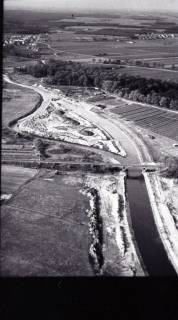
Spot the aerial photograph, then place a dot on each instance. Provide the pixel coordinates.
(89, 147)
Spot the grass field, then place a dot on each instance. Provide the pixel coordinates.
(83, 51)
(13, 177)
(151, 73)
(169, 60)
(139, 48)
(16, 61)
(17, 102)
(44, 229)
(71, 152)
(126, 18)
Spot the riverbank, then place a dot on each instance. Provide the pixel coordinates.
(117, 247)
(164, 221)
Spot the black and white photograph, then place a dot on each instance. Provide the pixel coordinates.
(89, 147)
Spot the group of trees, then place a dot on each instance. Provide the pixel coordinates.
(20, 51)
(40, 146)
(170, 167)
(151, 91)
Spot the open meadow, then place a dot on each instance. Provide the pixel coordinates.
(17, 102)
(44, 229)
(60, 225)
(13, 177)
(151, 73)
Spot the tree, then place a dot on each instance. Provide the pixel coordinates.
(170, 169)
(107, 85)
(164, 102)
(40, 146)
(173, 104)
(114, 86)
(155, 99)
(134, 95)
(148, 98)
(138, 63)
(83, 80)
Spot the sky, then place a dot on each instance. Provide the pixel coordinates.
(93, 4)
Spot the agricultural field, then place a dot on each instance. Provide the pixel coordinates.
(11, 62)
(65, 42)
(17, 102)
(12, 178)
(124, 18)
(48, 236)
(169, 60)
(96, 51)
(25, 79)
(18, 152)
(58, 237)
(16, 149)
(138, 49)
(151, 73)
(60, 151)
(158, 121)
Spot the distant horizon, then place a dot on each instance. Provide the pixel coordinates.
(85, 6)
(90, 11)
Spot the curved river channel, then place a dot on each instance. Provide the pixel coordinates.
(146, 235)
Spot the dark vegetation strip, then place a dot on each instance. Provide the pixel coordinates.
(95, 168)
(124, 238)
(150, 91)
(121, 217)
(96, 229)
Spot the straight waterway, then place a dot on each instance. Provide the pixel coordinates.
(146, 234)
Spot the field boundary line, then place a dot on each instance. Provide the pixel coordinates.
(69, 221)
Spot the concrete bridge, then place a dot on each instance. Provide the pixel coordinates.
(129, 168)
(142, 166)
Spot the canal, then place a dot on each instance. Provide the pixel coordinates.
(145, 231)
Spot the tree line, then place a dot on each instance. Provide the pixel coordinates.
(136, 88)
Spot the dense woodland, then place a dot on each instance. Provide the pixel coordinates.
(151, 91)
